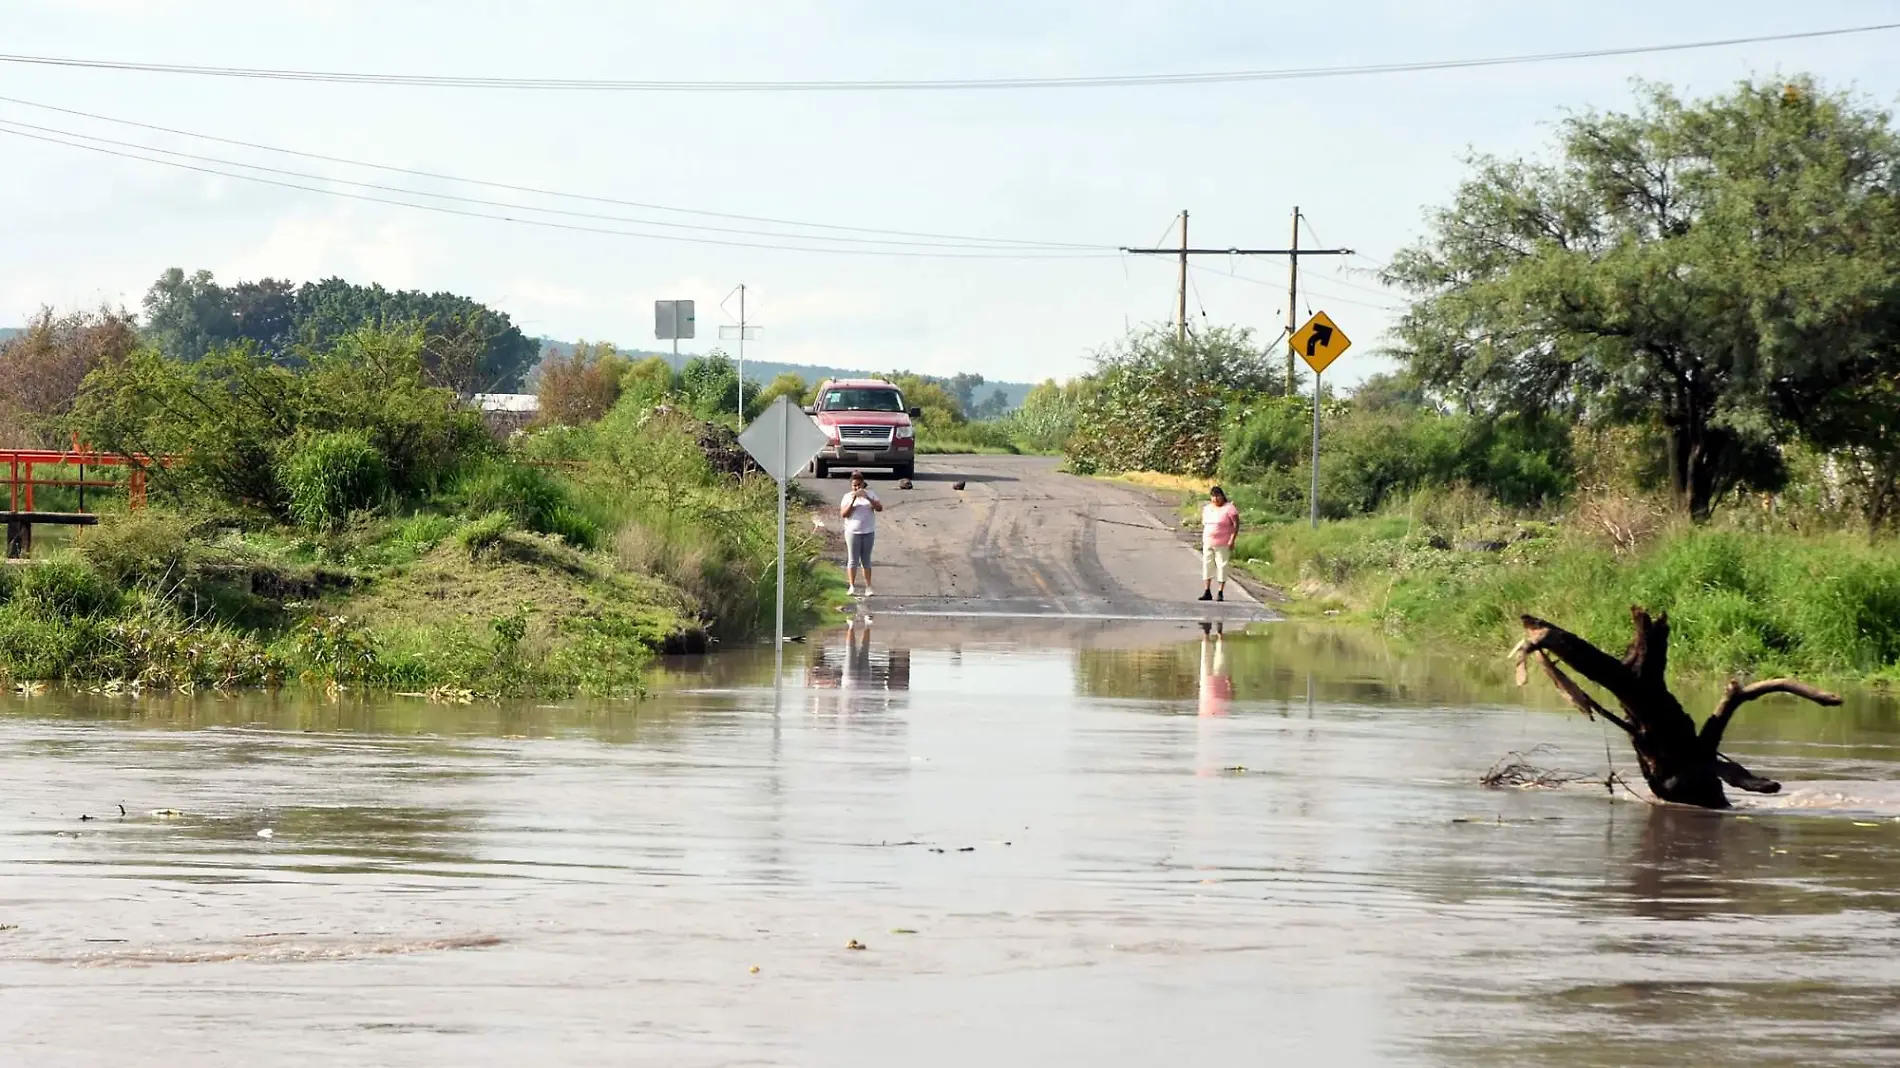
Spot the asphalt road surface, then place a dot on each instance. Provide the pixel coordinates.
(1023, 539)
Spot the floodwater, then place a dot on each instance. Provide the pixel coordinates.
(1094, 845)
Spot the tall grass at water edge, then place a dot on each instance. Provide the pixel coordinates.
(1822, 605)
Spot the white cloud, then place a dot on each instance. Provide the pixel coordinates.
(309, 246)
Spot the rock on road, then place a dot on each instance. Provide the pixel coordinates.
(1022, 538)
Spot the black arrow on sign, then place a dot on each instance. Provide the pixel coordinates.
(1322, 337)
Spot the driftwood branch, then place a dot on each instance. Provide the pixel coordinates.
(1680, 762)
(1576, 695)
(1738, 695)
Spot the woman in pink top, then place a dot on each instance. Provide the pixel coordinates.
(1220, 525)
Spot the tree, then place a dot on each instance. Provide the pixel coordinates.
(995, 406)
(1681, 762)
(42, 368)
(963, 387)
(1047, 416)
(649, 380)
(583, 386)
(784, 384)
(711, 385)
(467, 346)
(1718, 269)
(1158, 403)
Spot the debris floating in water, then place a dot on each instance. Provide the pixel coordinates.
(854, 944)
(1515, 769)
(267, 833)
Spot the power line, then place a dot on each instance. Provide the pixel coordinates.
(537, 191)
(916, 85)
(1232, 276)
(404, 191)
(5, 128)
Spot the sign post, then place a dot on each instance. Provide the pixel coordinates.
(1319, 343)
(783, 439)
(673, 319)
(743, 333)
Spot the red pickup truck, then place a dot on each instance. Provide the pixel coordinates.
(868, 425)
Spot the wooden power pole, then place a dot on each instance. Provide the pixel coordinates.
(1293, 254)
(1180, 322)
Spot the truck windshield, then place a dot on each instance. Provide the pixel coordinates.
(863, 400)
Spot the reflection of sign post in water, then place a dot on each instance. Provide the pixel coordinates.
(1319, 343)
(783, 439)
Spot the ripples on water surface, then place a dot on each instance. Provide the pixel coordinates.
(1104, 846)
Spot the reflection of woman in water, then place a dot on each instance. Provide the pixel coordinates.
(1217, 686)
(857, 656)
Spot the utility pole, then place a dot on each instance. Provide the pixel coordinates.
(1180, 327)
(1293, 253)
(1293, 300)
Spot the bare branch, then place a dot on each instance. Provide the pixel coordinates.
(1592, 663)
(1575, 694)
(1743, 779)
(1738, 695)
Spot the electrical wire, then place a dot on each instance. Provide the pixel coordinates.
(9, 130)
(8, 124)
(537, 191)
(1304, 288)
(915, 85)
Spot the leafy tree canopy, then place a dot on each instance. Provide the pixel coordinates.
(468, 346)
(1723, 269)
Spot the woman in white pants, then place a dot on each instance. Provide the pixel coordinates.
(1220, 525)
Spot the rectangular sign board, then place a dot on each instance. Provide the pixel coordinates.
(673, 319)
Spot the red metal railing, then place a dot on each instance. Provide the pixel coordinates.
(19, 465)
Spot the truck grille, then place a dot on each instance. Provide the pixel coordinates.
(861, 437)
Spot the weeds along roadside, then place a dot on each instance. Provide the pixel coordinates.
(561, 563)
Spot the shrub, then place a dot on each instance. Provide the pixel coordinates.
(33, 647)
(531, 498)
(329, 475)
(9, 582)
(1158, 403)
(138, 548)
(64, 587)
(483, 535)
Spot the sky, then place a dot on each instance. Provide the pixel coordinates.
(1365, 158)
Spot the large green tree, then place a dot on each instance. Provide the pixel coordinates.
(1721, 269)
(1158, 403)
(468, 346)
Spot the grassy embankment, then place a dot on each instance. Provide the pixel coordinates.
(1456, 572)
(472, 593)
(562, 563)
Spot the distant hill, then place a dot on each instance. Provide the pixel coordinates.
(766, 370)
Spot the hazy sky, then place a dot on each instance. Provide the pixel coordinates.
(1365, 157)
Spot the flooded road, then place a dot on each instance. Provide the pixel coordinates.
(1055, 844)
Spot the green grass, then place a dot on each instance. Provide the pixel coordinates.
(1824, 606)
(938, 446)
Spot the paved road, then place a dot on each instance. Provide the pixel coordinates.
(1024, 539)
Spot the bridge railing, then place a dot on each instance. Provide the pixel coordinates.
(23, 467)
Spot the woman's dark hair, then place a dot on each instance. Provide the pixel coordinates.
(857, 476)
(1216, 491)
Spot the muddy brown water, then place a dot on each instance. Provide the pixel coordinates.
(1086, 844)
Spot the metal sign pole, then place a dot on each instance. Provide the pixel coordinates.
(779, 628)
(1314, 495)
(742, 368)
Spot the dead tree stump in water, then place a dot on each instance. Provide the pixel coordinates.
(1680, 762)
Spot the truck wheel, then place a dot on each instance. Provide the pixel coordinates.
(904, 470)
(820, 469)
